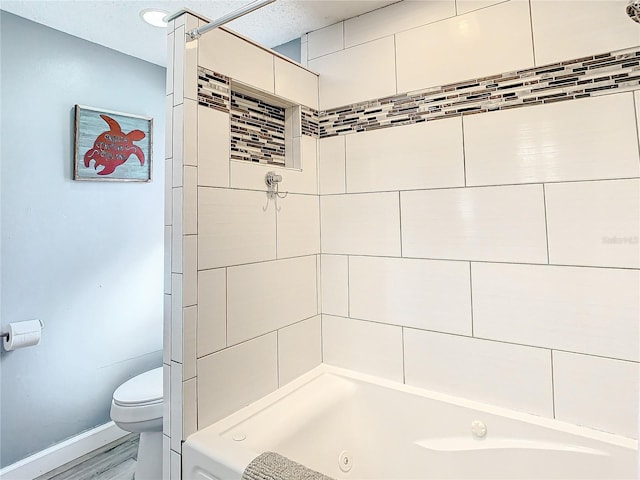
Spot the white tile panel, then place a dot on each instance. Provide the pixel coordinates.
(189, 325)
(212, 311)
(395, 18)
(190, 271)
(166, 457)
(366, 347)
(213, 147)
(168, 194)
(594, 223)
(578, 309)
(295, 83)
(564, 30)
(427, 294)
(511, 376)
(176, 317)
(229, 55)
(250, 175)
(597, 392)
(233, 228)
(298, 225)
(366, 224)
(299, 349)
(190, 201)
(335, 284)
(166, 329)
(325, 40)
(178, 145)
(190, 132)
(263, 297)
(585, 139)
(504, 224)
(166, 397)
(466, 6)
(176, 406)
(332, 164)
(189, 407)
(424, 155)
(356, 74)
(481, 42)
(167, 258)
(176, 229)
(223, 390)
(178, 65)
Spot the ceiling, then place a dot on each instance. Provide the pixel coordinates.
(117, 24)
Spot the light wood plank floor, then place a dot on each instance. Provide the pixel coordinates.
(115, 461)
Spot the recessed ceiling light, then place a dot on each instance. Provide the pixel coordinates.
(154, 17)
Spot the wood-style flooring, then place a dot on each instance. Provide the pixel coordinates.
(115, 461)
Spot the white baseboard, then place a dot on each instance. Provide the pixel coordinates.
(63, 452)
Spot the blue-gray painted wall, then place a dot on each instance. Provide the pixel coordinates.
(84, 257)
(290, 49)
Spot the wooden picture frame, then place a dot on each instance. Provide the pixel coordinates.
(112, 146)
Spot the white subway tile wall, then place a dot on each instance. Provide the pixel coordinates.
(507, 282)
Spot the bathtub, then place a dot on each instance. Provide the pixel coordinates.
(353, 426)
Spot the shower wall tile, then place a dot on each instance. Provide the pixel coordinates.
(254, 309)
(189, 325)
(331, 156)
(167, 257)
(190, 205)
(298, 225)
(366, 347)
(190, 271)
(423, 155)
(590, 138)
(360, 224)
(597, 392)
(178, 144)
(564, 30)
(486, 46)
(166, 328)
(295, 83)
(299, 349)
(166, 457)
(221, 51)
(166, 397)
(229, 222)
(176, 229)
(168, 197)
(168, 138)
(578, 309)
(170, 62)
(426, 294)
(176, 317)
(504, 224)
(356, 74)
(189, 407)
(594, 223)
(395, 18)
(176, 407)
(212, 311)
(176, 466)
(335, 284)
(305, 180)
(190, 81)
(511, 376)
(223, 390)
(190, 111)
(466, 6)
(213, 147)
(178, 65)
(325, 40)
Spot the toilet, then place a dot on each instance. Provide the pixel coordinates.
(137, 407)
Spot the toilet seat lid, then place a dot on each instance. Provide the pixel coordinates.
(143, 389)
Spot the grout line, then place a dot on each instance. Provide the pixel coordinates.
(322, 338)
(464, 153)
(395, 63)
(459, 187)
(471, 297)
(455, 6)
(344, 43)
(533, 44)
(278, 357)
(634, 362)
(345, 164)
(283, 259)
(553, 388)
(226, 307)
(546, 222)
(637, 112)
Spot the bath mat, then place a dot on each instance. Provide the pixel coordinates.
(272, 466)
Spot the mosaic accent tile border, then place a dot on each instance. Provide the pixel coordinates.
(214, 90)
(572, 79)
(257, 130)
(310, 122)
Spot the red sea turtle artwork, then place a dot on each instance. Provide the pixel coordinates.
(113, 147)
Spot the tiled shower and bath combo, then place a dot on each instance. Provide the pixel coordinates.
(458, 212)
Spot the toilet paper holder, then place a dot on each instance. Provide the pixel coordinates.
(21, 330)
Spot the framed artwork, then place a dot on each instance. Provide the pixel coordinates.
(112, 146)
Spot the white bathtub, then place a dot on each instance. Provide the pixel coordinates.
(392, 431)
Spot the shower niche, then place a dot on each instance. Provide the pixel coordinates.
(265, 128)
